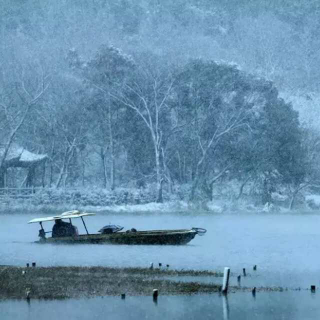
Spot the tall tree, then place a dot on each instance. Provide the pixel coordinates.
(102, 75)
(148, 94)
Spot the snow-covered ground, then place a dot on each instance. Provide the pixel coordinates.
(132, 200)
(214, 207)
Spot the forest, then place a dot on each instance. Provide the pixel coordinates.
(188, 98)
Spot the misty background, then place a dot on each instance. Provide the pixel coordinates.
(188, 99)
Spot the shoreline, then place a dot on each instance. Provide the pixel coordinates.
(129, 200)
(177, 207)
(77, 282)
(56, 283)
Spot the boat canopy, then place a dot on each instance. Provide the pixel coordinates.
(66, 215)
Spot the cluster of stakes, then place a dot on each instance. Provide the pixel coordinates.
(226, 275)
(33, 264)
(155, 292)
(28, 290)
(160, 265)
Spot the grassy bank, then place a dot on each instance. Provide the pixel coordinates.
(76, 282)
(79, 282)
(131, 200)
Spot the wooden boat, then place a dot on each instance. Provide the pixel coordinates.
(152, 237)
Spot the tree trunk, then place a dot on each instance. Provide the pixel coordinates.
(266, 196)
(66, 175)
(51, 163)
(180, 167)
(198, 174)
(83, 169)
(112, 164)
(51, 174)
(170, 182)
(159, 177)
(167, 172)
(184, 174)
(62, 169)
(43, 177)
(295, 193)
(194, 187)
(197, 177)
(30, 177)
(242, 187)
(105, 173)
(160, 196)
(208, 189)
(71, 154)
(112, 172)
(6, 185)
(2, 177)
(292, 200)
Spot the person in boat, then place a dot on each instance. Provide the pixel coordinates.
(63, 229)
(131, 230)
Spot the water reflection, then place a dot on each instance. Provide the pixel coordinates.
(238, 306)
(225, 307)
(155, 300)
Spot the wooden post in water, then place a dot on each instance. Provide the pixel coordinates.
(33, 264)
(123, 296)
(313, 288)
(155, 295)
(244, 272)
(225, 283)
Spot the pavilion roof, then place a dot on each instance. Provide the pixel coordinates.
(20, 157)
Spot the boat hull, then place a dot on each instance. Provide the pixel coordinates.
(168, 237)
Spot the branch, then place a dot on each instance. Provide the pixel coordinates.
(133, 107)
(16, 129)
(166, 95)
(145, 104)
(213, 180)
(199, 139)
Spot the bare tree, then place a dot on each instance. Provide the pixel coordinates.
(16, 117)
(149, 99)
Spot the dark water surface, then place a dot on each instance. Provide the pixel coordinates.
(284, 247)
(237, 306)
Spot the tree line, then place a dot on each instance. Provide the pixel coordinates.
(117, 120)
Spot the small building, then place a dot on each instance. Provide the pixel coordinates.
(18, 157)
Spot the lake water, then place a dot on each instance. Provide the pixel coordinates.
(238, 306)
(285, 248)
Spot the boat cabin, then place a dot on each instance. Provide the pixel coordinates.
(61, 228)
